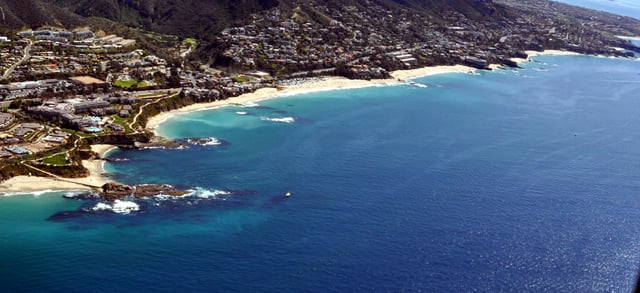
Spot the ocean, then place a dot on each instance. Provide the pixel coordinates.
(629, 8)
(512, 180)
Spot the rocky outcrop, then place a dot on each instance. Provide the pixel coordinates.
(113, 191)
(119, 139)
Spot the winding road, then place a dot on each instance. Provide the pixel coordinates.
(25, 57)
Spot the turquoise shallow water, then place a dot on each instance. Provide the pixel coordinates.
(513, 180)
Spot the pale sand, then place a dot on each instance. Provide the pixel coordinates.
(545, 52)
(29, 184)
(425, 71)
(314, 85)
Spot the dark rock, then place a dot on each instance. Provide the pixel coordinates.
(113, 191)
(150, 190)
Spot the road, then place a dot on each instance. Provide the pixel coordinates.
(56, 177)
(25, 57)
(135, 119)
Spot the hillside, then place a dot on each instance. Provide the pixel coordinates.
(285, 36)
(34, 13)
(202, 19)
(186, 18)
(474, 9)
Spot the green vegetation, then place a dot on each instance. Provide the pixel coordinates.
(125, 84)
(58, 160)
(190, 42)
(143, 84)
(124, 122)
(78, 133)
(243, 78)
(142, 96)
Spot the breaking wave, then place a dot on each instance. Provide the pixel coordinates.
(207, 193)
(208, 141)
(119, 207)
(281, 120)
(250, 105)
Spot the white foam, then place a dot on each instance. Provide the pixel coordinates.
(416, 84)
(34, 193)
(213, 141)
(101, 207)
(206, 141)
(206, 193)
(250, 105)
(125, 207)
(164, 197)
(281, 120)
(421, 85)
(119, 206)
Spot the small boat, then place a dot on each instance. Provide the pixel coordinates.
(288, 194)
(241, 113)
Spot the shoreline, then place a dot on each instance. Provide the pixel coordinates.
(320, 84)
(531, 54)
(35, 184)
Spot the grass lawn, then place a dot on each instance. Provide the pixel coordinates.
(143, 84)
(59, 160)
(125, 84)
(122, 121)
(78, 133)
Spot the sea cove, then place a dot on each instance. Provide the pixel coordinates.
(512, 180)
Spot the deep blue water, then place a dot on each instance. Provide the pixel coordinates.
(513, 180)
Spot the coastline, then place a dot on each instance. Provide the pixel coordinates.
(316, 85)
(32, 184)
(531, 54)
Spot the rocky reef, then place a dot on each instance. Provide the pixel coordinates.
(116, 191)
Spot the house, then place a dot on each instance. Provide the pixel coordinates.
(116, 127)
(18, 150)
(84, 107)
(85, 34)
(53, 139)
(25, 34)
(6, 119)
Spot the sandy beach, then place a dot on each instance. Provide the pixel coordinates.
(29, 184)
(545, 52)
(311, 85)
